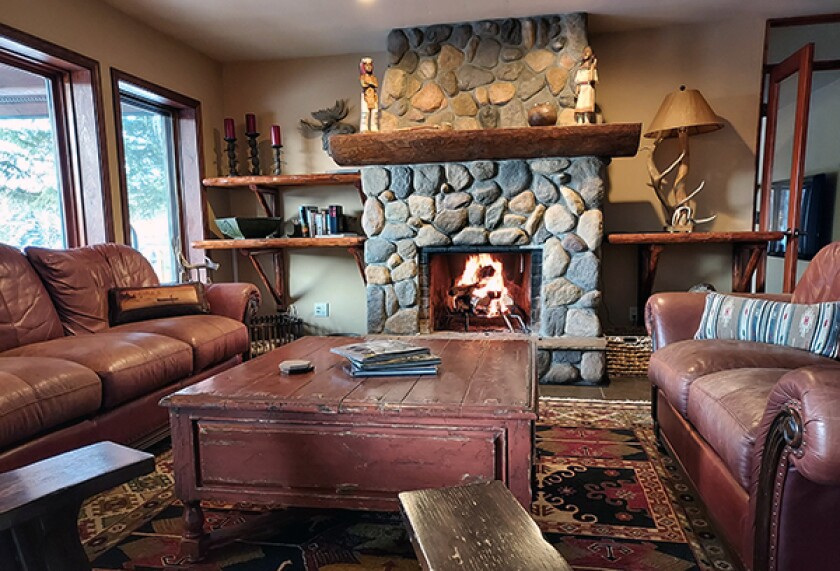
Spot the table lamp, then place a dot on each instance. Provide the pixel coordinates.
(683, 112)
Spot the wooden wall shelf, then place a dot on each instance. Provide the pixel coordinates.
(280, 243)
(748, 250)
(253, 248)
(448, 145)
(285, 180)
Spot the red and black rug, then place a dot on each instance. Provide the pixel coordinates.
(604, 496)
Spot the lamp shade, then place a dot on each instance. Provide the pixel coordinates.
(683, 109)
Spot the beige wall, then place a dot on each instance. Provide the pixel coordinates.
(283, 93)
(96, 30)
(637, 70)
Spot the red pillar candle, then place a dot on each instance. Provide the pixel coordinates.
(276, 138)
(230, 129)
(250, 123)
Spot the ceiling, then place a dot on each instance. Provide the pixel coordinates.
(240, 30)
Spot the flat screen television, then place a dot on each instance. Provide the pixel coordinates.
(816, 214)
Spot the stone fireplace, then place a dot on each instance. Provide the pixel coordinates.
(468, 177)
(547, 210)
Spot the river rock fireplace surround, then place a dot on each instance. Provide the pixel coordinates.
(531, 196)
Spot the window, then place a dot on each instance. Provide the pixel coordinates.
(50, 146)
(160, 180)
(30, 175)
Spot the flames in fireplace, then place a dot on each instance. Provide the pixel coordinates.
(480, 289)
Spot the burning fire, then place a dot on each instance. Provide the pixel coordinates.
(481, 288)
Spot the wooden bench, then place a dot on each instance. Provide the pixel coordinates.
(477, 527)
(39, 504)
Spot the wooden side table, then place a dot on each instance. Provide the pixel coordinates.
(748, 249)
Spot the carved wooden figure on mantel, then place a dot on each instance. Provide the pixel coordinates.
(585, 79)
(370, 99)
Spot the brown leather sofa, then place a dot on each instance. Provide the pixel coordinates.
(67, 378)
(756, 428)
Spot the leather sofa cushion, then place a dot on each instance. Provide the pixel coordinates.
(725, 408)
(674, 367)
(79, 279)
(128, 364)
(40, 394)
(213, 338)
(27, 314)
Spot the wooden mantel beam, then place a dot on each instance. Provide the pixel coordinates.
(448, 145)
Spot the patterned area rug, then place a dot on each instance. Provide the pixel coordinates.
(604, 496)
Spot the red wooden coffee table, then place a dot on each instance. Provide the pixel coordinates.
(326, 439)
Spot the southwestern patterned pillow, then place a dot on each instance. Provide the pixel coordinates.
(814, 328)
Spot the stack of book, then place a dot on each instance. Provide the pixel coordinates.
(327, 223)
(388, 358)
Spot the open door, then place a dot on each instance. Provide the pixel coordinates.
(790, 79)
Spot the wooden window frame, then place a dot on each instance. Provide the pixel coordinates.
(189, 159)
(80, 133)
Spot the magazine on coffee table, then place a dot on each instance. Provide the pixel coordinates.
(379, 350)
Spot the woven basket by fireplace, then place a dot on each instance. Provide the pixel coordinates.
(271, 331)
(628, 356)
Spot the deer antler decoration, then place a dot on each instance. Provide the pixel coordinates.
(682, 113)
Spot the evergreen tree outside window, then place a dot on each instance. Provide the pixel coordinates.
(31, 195)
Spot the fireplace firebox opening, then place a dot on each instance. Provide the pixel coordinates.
(480, 291)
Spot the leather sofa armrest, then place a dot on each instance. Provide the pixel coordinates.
(803, 414)
(675, 316)
(238, 301)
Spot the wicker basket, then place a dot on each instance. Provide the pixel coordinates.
(628, 356)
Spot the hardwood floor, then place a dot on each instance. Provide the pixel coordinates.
(624, 388)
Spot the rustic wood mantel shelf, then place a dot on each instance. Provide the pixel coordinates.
(448, 145)
(253, 247)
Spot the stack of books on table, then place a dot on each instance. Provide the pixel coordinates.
(388, 358)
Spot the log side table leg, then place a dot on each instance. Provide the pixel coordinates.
(194, 539)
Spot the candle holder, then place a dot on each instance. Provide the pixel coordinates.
(254, 155)
(231, 153)
(277, 162)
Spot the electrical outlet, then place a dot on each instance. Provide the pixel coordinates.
(322, 310)
(633, 313)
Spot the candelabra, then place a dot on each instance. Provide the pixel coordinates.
(277, 162)
(254, 154)
(231, 153)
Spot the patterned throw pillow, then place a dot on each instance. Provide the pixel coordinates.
(814, 328)
(127, 304)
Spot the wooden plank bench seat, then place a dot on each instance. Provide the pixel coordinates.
(39, 504)
(478, 527)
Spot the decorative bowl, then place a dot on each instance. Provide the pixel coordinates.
(240, 228)
(542, 115)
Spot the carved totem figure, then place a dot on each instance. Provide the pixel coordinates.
(370, 99)
(585, 79)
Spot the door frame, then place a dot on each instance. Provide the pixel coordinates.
(800, 62)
